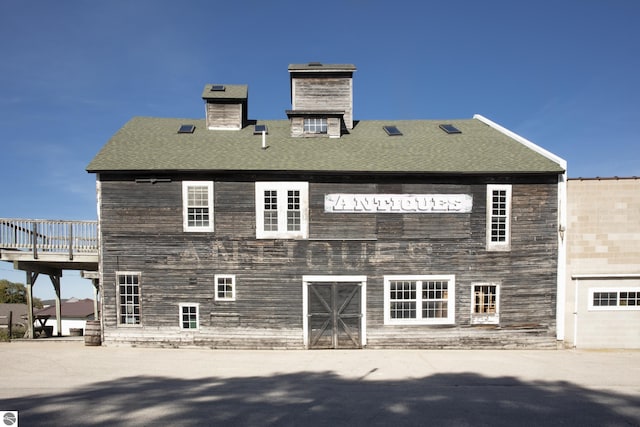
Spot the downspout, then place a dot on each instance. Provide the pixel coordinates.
(562, 257)
(575, 315)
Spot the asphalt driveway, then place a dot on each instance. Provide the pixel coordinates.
(53, 383)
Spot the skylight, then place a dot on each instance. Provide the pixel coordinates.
(186, 129)
(217, 88)
(449, 128)
(258, 129)
(392, 130)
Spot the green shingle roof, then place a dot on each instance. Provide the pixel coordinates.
(229, 92)
(153, 144)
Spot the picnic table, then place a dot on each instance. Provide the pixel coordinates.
(42, 330)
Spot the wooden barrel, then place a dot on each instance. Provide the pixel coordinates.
(92, 333)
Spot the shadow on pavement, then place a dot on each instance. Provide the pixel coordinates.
(311, 399)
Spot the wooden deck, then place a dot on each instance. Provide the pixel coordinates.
(41, 245)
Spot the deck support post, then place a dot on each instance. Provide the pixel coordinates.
(55, 280)
(31, 280)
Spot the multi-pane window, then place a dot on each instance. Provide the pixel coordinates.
(315, 125)
(270, 210)
(129, 298)
(189, 316)
(614, 299)
(435, 299)
(630, 299)
(293, 210)
(282, 210)
(225, 287)
(197, 205)
(603, 299)
(484, 303)
(402, 295)
(419, 299)
(498, 217)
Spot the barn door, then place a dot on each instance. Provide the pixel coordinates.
(334, 315)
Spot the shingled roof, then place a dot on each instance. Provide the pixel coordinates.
(153, 144)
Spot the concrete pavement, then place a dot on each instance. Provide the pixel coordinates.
(52, 383)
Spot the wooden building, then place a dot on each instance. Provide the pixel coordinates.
(321, 231)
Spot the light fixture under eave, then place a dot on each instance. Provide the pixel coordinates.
(151, 180)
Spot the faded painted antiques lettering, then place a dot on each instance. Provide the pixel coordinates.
(398, 203)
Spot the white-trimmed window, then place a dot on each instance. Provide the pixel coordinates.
(189, 316)
(197, 202)
(614, 299)
(225, 287)
(282, 210)
(128, 298)
(498, 217)
(315, 125)
(485, 303)
(419, 300)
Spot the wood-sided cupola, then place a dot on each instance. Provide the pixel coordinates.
(225, 106)
(321, 99)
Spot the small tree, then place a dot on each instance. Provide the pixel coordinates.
(15, 293)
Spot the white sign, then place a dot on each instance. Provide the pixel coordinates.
(398, 203)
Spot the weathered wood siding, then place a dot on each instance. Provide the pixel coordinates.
(324, 93)
(141, 231)
(224, 115)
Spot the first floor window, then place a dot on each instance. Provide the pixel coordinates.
(614, 299)
(197, 205)
(128, 298)
(189, 316)
(484, 303)
(498, 217)
(282, 210)
(419, 299)
(225, 287)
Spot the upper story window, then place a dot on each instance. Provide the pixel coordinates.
(315, 125)
(197, 200)
(419, 300)
(282, 210)
(498, 217)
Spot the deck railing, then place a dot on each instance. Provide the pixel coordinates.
(36, 235)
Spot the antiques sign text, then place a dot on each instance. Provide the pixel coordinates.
(398, 203)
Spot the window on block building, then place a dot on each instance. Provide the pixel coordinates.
(225, 287)
(128, 298)
(420, 300)
(189, 316)
(614, 299)
(197, 199)
(498, 217)
(282, 210)
(485, 303)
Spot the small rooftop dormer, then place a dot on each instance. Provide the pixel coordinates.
(321, 99)
(225, 106)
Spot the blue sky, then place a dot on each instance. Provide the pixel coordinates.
(563, 74)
